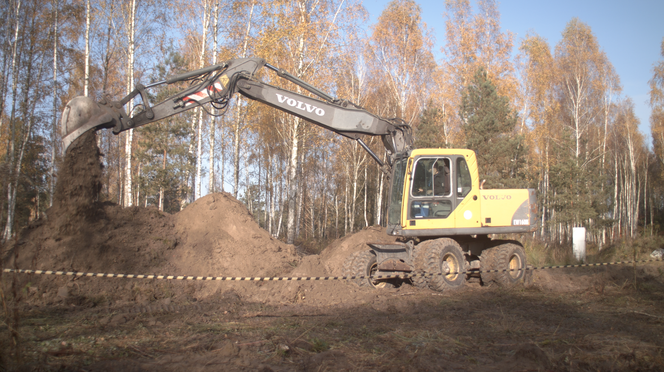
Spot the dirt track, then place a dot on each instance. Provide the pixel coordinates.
(603, 327)
(571, 319)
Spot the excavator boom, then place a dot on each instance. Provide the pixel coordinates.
(216, 85)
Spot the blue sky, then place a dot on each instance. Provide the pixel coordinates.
(630, 32)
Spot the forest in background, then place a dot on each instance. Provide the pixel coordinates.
(549, 117)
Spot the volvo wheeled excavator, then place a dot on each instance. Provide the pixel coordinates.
(437, 208)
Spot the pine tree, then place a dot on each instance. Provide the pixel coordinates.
(163, 149)
(488, 125)
(429, 132)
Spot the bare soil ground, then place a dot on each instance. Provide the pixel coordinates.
(590, 319)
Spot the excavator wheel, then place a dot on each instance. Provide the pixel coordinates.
(347, 268)
(510, 259)
(446, 263)
(365, 264)
(419, 261)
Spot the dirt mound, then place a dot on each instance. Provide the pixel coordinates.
(220, 237)
(334, 255)
(214, 236)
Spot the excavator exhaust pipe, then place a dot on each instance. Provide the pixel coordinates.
(81, 115)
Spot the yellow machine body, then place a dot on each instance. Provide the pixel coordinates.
(456, 205)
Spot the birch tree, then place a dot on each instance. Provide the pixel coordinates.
(30, 49)
(199, 128)
(213, 124)
(86, 88)
(400, 46)
(299, 37)
(54, 125)
(538, 110)
(130, 29)
(239, 124)
(581, 63)
(8, 231)
(657, 105)
(474, 40)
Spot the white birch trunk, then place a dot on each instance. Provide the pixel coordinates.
(13, 185)
(213, 123)
(346, 207)
(615, 196)
(353, 203)
(16, 165)
(138, 188)
(271, 199)
(281, 207)
(161, 188)
(312, 206)
(10, 216)
(236, 148)
(54, 126)
(128, 200)
(336, 216)
(223, 158)
(268, 176)
(292, 179)
(199, 153)
(238, 122)
(86, 86)
(300, 197)
(199, 128)
(645, 197)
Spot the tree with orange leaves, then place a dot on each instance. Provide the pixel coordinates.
(657, 133)
(400, 48)
(475, 41)
(657, 105)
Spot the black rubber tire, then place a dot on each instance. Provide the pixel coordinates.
(347, 267)
(419, 263)
(446, 263)
(488, 262)
(510, 259)
(365, 264)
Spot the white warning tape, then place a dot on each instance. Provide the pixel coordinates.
(299, 278)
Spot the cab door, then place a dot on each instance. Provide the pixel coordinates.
(432, 198)
(467, 213)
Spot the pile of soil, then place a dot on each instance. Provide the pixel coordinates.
(214, 236)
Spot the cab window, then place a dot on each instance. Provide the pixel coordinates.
(464, 182)
(431, 177)
(431, 189)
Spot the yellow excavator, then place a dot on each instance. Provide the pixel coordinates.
(437, 208)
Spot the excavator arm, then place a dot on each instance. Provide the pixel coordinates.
(216, 85)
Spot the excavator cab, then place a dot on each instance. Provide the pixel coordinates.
(436, 192)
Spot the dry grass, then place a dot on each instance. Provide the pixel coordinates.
(540, 253)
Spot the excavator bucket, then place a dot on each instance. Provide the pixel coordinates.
(81, 115)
